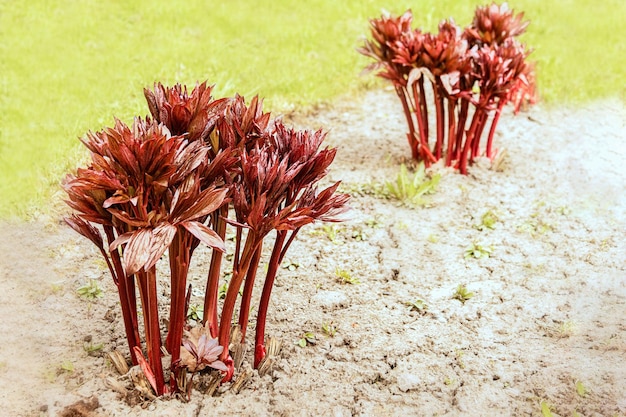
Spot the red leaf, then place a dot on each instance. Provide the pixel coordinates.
(137, 251)
(145, 367)
(205, 234)
(85, 229)
(162, 237)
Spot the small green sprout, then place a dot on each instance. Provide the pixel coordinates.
(359, 234)
(433, 238)
(332, 232)
(221, 292)
(563, 330)
(374, 223)
(449, 381)
(580, 389)
(223, 289)
(411, 191)
(462, 294)
(417, 305)
(329, 328)
(345, 277)
(290, 265)
(195, 312)
(459, 358)
(67, 366)
(545, 409)
(487, 221)
(308, 338)
(92, 349)
(91, 290)
(478, 251)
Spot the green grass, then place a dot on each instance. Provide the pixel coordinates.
(70, 66)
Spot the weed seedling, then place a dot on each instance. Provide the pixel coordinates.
(449, 381)
(359, 234)
(290, 265)
(545, 409)
(91, 290)
(580, 389)
(433, 238)
(462, 294)
(331, 231)
(92, 349)
(329, 328)
(411, 191)
(195, 312)
(459, 358)
(478, 251)
(67, 366)
(345, 277)
(418, 305)
(308, 338)
(222, 291)
(487, 221)
(374, 223)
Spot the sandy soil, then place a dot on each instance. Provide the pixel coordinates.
(545, 324)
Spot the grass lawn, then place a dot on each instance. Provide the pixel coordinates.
(70, 66)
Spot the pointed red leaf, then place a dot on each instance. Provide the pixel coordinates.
(205, 234)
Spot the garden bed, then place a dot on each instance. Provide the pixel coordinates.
(543, 326)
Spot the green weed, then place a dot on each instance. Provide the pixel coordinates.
(329, 328)
(418, 305)
(581, 390)
(487, 221)
(308, 338)
(478, 251)
(412, 191)
(91, 290)
(196, 311)
(462, 294)
(345, 277)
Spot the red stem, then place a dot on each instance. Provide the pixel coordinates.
(149, 305)
(440, 114)
(460, 129)
(492, 130)
(128, 301)
(413, 144)
(213, 279)
(275, 259)
(180, 255)
(478, 134)
(451, 129)
(244, 310)
(424, 108)
(427, 156)
(239, 272)
(469, 141)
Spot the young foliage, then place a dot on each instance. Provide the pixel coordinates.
(411, 191)
(483, 66)
(345, 277)
(462, 294)
(90, 291)
(166, 185)
(477, 251)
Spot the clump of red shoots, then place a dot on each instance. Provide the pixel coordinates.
(166, 185)
(472, 73)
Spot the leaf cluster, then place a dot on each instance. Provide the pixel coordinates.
(411, 191)
(167, 183)
(483, 65)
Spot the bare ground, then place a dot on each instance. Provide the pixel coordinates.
(545, 324)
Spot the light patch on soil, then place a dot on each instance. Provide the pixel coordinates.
(547, 309)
